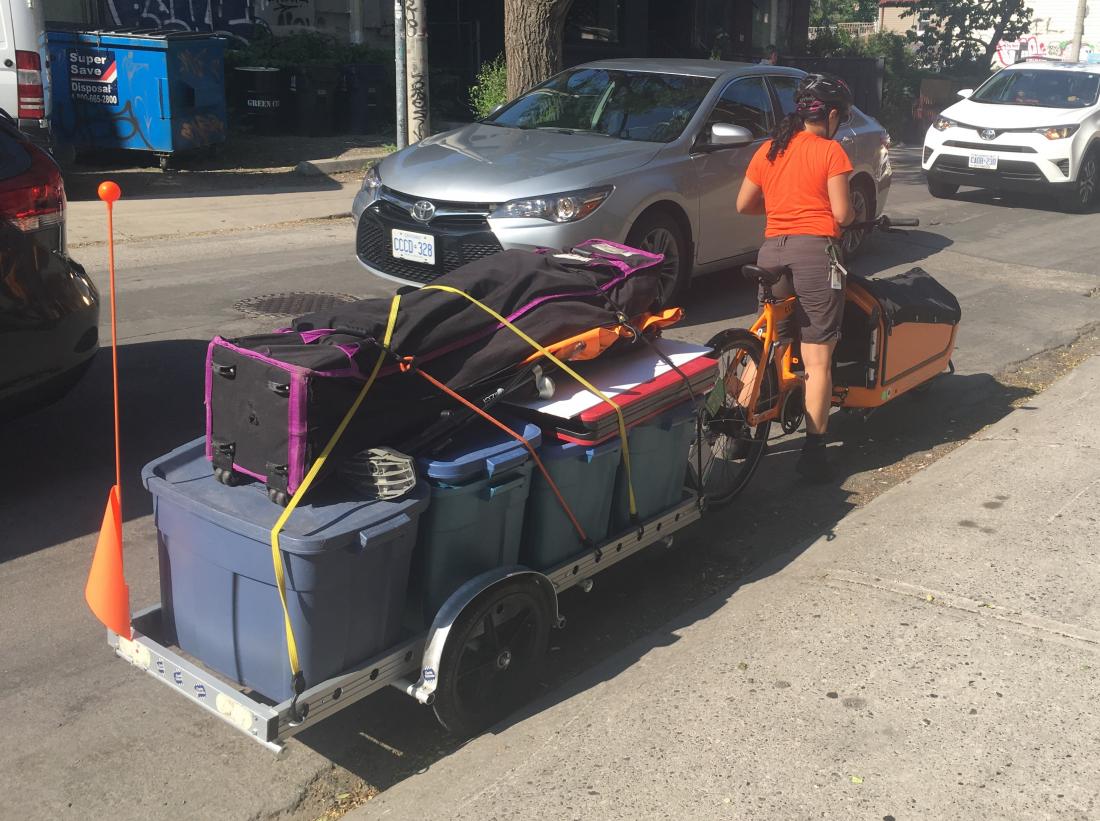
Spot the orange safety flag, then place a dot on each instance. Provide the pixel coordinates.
(106, 591)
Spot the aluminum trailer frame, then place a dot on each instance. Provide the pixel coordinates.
(411, 666)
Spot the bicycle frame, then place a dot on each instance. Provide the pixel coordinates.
(766, 328)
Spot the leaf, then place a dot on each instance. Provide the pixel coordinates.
(929, 597)
(857, 779)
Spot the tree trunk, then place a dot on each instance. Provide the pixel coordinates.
(532, 41)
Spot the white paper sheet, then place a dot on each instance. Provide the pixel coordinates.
(615, 375)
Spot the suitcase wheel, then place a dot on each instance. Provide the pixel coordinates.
(279, 497)
(228, 477)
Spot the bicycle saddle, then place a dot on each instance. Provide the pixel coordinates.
(765, 276)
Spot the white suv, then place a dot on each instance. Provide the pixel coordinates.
(1032, 127)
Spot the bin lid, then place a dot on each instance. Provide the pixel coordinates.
(481, 450)
(558, 449)
(333, 519)
(157, 38)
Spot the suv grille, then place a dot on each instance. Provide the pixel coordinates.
(459, 239)
(1006, 169)
(1016, 149)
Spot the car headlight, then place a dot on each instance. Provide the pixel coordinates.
(1058, 132)
(568, 207)
(943, 123)
(372, 182)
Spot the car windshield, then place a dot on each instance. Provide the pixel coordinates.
(628, 105)
(1040, 87)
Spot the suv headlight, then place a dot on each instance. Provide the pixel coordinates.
(568, 207)
(1058, 132)
(943, 123)
(372, 182)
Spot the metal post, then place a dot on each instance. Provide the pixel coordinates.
(1078, 31)
(355, 23)
(416, 32)
(399, 64)
(773, 19)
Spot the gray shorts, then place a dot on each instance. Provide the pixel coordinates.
(820, 308)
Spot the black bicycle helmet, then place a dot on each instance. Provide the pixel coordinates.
(818, 94)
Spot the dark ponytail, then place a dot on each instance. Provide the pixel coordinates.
(784, 130)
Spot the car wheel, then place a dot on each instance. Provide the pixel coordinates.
(941, 190)
(659, 233)
(1082, 193)
(852, 240)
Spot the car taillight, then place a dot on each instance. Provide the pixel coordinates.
(32, 101)
(36, 198)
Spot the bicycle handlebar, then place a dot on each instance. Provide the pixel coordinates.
(883, 223)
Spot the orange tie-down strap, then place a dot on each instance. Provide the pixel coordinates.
(592, 343)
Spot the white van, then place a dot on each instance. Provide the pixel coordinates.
(24, 75)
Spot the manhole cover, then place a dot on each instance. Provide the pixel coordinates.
(292, 304)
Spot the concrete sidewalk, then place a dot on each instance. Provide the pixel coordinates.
(146, 218)
(935, 656)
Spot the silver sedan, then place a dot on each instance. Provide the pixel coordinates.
(646, 152)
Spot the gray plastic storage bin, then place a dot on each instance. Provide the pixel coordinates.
(347, 566)
(585, 475)
(479, 489)
(658, 456)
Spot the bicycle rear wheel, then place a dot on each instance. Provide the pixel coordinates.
(723, 460)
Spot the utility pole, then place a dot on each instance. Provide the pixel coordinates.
(400, 108)
(1078, 31)
(416, 34)
(355, 12)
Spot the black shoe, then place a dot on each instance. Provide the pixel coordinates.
(814, 466)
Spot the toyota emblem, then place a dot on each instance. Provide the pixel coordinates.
(985, 134)
(423, 211)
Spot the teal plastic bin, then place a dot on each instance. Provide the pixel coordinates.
(474, 522)
(659, 457)
(585, 475)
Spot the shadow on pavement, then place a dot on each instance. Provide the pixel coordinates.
(135, 184)
(643, 603)
(61, 458)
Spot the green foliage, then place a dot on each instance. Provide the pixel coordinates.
(902, 72)
(304, 48)
(962, 35)
(491, 88)
(830, 12)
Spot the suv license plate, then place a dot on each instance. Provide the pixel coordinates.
(413, 246)
(987, 161)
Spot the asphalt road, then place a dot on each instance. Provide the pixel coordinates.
(90, 737)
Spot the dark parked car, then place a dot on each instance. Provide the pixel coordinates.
(49, 308)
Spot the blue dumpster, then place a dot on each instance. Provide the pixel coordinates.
(147, 90)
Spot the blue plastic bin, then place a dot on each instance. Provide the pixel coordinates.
(347, 566)
(659, 457)
(479, 488)
(151, 90)
(585, 475)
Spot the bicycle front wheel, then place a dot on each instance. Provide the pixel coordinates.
(727, 450)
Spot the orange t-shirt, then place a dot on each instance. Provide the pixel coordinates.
(795, 186)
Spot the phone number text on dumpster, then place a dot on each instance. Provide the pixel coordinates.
(94, 92)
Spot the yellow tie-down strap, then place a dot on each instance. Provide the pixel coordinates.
(276, 553)
(580, 379)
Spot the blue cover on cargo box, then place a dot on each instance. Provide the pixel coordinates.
(482, 450)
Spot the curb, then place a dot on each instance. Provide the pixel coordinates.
(318, 168)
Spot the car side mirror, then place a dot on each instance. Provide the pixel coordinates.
(725, 135)
(966, 92)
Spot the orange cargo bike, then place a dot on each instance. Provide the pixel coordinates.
(898, 334)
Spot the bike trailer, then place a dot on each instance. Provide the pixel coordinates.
(274, 400)
(898, 332)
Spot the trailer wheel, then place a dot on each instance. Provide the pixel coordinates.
(493, 657)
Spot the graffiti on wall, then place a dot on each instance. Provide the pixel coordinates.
(1039, 45)
(232, 17)
(281, 15)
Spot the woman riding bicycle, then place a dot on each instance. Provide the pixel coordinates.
(799, 178)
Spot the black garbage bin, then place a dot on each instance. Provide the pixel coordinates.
(263, 99)
(313, 96)
(365, 90)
